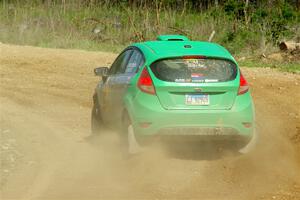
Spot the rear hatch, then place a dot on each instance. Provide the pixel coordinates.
(195, 82)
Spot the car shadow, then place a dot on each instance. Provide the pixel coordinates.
(200, 150)
(178, 149)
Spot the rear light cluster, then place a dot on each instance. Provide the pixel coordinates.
(145, 82)
(244, 87)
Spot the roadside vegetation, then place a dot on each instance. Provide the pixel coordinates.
(291, 66)
(246, 28)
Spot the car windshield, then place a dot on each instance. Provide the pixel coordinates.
(194, 70)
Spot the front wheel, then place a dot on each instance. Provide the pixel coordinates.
(96, 120)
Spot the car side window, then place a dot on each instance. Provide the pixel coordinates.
(118, 67)
(135, 61)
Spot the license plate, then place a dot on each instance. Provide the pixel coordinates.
(197, 99)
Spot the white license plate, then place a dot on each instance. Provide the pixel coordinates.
(197, 99)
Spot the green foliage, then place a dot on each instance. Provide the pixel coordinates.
(276, 21)
(112, 25)
(234, 9)
(288, 13)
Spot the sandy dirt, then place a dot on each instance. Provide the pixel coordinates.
(46, 151)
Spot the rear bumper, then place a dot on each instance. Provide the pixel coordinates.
(146, 109)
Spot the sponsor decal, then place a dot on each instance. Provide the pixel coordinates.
(211, 80)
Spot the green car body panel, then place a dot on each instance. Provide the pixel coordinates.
(165, 112)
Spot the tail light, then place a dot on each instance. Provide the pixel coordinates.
(145, 82)
(244, 87)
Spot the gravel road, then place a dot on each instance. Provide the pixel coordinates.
(46, 151)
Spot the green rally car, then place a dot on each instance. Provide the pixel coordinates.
(174, 87)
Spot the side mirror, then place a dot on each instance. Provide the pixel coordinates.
(101, 71)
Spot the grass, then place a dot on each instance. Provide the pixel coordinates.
(292, 67)
(111, 29)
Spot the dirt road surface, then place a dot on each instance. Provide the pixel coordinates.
(45, 103)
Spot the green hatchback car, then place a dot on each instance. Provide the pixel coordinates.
(174, 87)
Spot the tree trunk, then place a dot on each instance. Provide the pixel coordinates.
(246, 13)
(289, 46)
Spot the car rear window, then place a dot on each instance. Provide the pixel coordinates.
(192, 70)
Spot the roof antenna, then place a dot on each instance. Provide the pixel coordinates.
(211, 35)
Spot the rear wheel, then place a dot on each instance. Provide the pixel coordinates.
(96, 120)
(251, 145)
(128, 137)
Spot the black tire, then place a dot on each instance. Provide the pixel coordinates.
(129, 143)
(96, 120)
